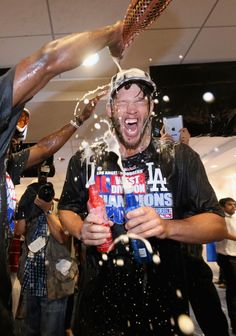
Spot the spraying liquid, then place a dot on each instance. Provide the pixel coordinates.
(97, 206)
(90, 95)
(93, 93)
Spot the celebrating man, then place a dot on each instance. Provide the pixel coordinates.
(126, 293)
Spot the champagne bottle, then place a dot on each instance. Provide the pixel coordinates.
(96, 205)
(140, 251)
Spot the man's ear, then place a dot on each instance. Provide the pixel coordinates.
(108, 109)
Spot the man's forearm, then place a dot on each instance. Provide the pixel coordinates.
(200, 228)
(61, 55)
(71, 222)
(49, 145)
(55, 227)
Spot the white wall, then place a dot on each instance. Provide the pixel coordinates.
(224, 182)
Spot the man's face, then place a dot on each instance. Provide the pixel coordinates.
(23, 120)
(21, 128)
(230, 207)
(130, 115)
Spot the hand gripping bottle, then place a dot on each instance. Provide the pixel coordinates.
(97, 206)
(140, 251)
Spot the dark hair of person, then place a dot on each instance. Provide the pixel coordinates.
(225, 200)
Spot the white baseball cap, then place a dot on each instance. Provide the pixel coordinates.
(131, 75)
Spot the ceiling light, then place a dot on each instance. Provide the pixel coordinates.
(208, 97)
(214, 166)
(91, 60)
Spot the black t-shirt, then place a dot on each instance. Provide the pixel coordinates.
(16, 164)
(169, 178)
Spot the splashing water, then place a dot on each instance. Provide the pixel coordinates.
(116, 61)
(90, 95)
(112, 143)
(95, 93)
(124, 238)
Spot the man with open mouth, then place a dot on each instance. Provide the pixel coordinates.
(138, 287)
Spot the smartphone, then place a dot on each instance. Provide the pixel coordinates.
(173, 126)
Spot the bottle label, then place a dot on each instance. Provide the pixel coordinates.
(142, 252)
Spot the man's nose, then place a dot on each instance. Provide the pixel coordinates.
(132, 107)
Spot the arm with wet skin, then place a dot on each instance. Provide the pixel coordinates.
(61, 55)
(200, 228)
(53, 142)
(53, 221)
(90, 231)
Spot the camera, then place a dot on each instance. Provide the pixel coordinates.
(46, 192)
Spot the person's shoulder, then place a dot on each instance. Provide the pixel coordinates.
(182, 149)
(8, 76)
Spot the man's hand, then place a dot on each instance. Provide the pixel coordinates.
(183, 138)
(93, 231)
(88, 109)
(146, 222)
(45, 206)
(117, 47)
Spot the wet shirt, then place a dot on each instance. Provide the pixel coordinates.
(136, 299)
(16, 164)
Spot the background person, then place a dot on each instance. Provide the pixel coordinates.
(226, 250)
(45, 311)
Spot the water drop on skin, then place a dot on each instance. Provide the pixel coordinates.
(97, 126)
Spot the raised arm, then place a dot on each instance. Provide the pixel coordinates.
(53, 142)
(64, 54)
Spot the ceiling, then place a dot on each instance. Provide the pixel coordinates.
(188, 31)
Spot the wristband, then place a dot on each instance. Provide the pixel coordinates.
(76, 122)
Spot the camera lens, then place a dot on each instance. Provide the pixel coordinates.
(46, 192)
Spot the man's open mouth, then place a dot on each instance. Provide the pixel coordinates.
(131, 126)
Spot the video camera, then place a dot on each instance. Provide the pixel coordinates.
(46, 192)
